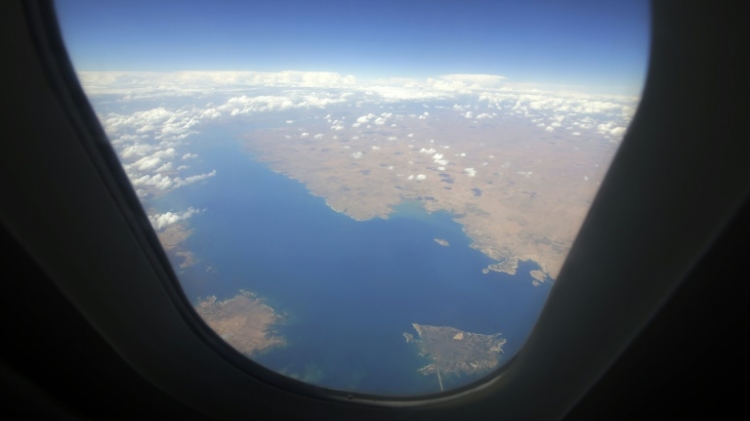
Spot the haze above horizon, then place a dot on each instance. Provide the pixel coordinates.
(585, 46)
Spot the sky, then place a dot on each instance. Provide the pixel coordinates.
(602, 45)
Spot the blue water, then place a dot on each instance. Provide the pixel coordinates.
(348, 289)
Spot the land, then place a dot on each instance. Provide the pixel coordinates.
(245, 322)
(188, 258)
(173, 235)
(538, 276)
(454, 352)
(172, 239)
(519, 192)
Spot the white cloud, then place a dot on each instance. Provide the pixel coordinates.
(165, 168)
(318, 136)
(147, 163)
(365, 118)
(162, 220)
(179, 182)
(438, 159)
(211, 113)
(474, 81)
(244, 104)
(158, 181)
(141, 138)
(158, 123)
(611, 128)
(190, 156)
(357, 155)
(421, 177)
(138, 149)
(140, 84)
(471, 172)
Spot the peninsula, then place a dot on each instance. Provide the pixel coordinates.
(519, 191)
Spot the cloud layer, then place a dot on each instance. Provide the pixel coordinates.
(154, 144)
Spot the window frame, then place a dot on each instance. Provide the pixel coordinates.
(101, 252)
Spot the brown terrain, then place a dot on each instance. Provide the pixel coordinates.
(244, 321)
(171, 239)
(519, 192)
(456, 352)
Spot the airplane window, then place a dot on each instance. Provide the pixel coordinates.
(369, 197)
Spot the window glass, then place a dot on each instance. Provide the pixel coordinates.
(367, 196)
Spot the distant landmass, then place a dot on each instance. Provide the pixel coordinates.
(519, 191)
(455, 352)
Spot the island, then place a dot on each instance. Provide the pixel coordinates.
(442, 242)
(455, 352)
(245, 322)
